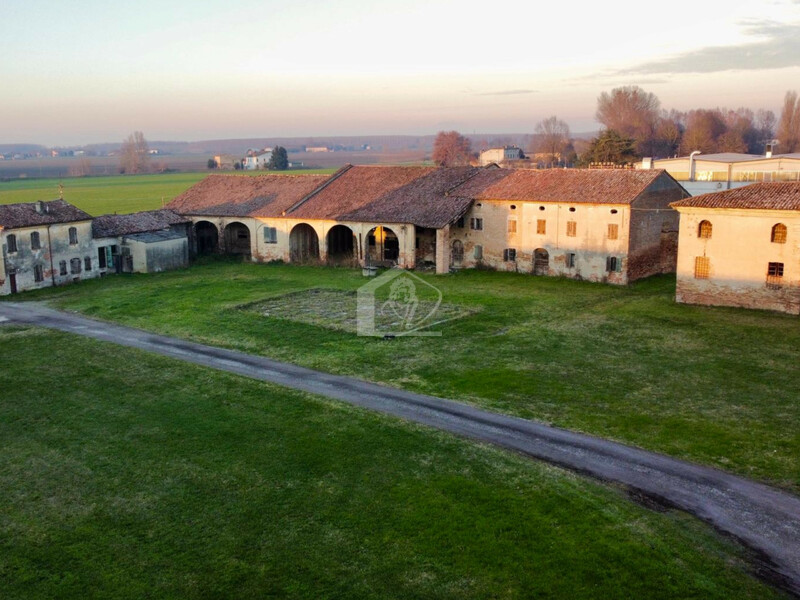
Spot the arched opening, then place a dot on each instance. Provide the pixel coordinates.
(237, 238)
(303, 244)
(704, 229)
(541, 261)
(383, 246)
(778, 234)
(457, 254)
(341, 244)
(207, 237)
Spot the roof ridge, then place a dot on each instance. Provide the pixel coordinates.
(318, 189)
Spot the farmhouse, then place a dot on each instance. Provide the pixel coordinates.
(602, 225)
(45, 244)
(500, 155)
(741, 248)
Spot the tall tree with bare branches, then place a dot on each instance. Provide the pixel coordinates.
(451, 149)
(551, 140)
(789, 125)
(134, 154)
(631, 112)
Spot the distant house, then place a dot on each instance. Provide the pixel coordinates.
(256, 160)
(144, 242)
(614, 226)
(500, 155)
(44, 244)
(741, 248)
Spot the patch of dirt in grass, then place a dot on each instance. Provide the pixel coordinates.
(336, 309)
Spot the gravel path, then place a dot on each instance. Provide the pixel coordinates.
(765, 519)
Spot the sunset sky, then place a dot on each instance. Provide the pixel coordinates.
(93, 71)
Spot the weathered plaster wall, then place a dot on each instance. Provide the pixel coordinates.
(739, 251)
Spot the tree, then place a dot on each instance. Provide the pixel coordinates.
(451, 149)
(610, 147)
(551, 140)
(134, 154)
(631, 112)
(703, 129)
(279, 161)
(789, 125)
(212, 164)
(765, 125)
(82, 168)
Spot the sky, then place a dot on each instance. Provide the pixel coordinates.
(93, 71)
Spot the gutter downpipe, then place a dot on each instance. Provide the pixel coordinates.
(691, 164)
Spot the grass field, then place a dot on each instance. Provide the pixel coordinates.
(713, 385)
(104, 195)
(128, 475)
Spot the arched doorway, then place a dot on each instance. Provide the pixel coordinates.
(303, 244)
(237, 238)
(207, 237)
(541, 261)
(341, 244)
(457, 254)
(383, 245)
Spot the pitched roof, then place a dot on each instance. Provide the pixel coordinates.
(765, 196)
(584, 186)
(422, 202)
(26, 214)
(141, 222)
(244, 196)
(353, 188)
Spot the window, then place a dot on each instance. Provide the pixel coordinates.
(775, 275)
(779, 234)
(87, 263)
(35, 243)
(62, 267)
(512, 226)
(476, 224)
(75, 266)
(541, 208)
(572, 228)
(38, 273)
(541, 226)
(458, 251)
(270, 235)
(510, 254)
(702, 267)
(11, 242)
(101, 258)
(477, 252)
(73, 236)
(571, 209)
(613, 211)
(613, 264)
(570, 260)
(704, 230)
(613, 231)
(460, 223)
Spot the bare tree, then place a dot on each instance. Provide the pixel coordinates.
(551, 140)
(81, 168)
(134, 154)
(703, 130)
(451, 149)
(631, 112)
(765, 124)
(789, 125)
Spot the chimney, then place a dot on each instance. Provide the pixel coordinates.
(40, 207)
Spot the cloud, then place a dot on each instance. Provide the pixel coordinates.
(777, 48)
(509, 92)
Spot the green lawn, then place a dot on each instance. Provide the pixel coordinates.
(129, 475)
(119, 193)
(713, 385)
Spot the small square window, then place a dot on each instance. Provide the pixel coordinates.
(270, 235)
(613, 231)
(38, 273)
(476, 224)
(460, 223)
(541, 226)
(570, 260)
(62, 267)
(73, 236)
(613, 264)
(87, 263)
(35, 241)
(477, 252)
(11, 243)
(512, 226)
(75, 266)
(510, 254)
(775, 275)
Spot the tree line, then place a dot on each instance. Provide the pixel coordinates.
(635, 126)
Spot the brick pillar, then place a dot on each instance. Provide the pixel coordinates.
(443, 250)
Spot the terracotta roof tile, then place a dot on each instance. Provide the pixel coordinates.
(585, 186)
(141, 222)
(354, 188)
(26, 215)
(765, 196)
(245, 196)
